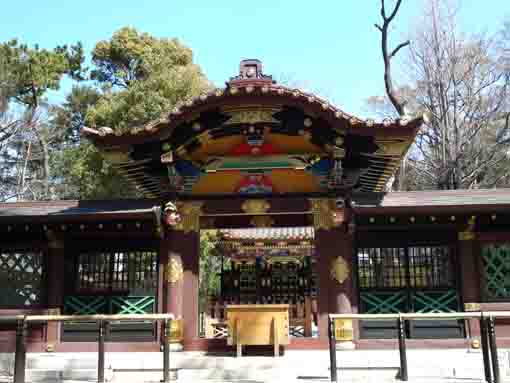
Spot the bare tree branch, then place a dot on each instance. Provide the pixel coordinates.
(399, 47)
(388, 80)
(458, 80)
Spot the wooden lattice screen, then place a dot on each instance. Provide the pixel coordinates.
(21, 278)
(112, 282)
(496, 267)
(116, 282)
(407, 279)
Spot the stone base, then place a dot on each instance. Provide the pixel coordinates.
(340, 346)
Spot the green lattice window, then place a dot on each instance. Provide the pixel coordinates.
(407, 279)
(435, 301)
(113, 282)
(383, 302)
(21, 277)
(496, 265)
(91, 305)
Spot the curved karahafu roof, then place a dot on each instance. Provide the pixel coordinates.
(258, 137)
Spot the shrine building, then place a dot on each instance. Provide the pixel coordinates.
(284, 195)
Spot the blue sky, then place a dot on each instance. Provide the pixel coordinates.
(328, 46)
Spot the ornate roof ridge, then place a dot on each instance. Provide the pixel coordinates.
(254, 88)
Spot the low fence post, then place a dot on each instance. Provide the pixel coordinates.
(166, 351)
(491, 330)
(485, 349)
(100, 352)
(332, 349)
(402, 349)
(20, 356)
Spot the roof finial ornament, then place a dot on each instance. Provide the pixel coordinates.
(250, 70)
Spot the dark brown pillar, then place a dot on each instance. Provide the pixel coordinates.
(173, 247)
(182, 267)
(468, 259)
(336, 291)
(334, 248)
(55, 288)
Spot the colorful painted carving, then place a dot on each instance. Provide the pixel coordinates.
(254, 148)
(255, 183)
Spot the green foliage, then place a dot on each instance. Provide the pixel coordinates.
(131, 55)
(82, 173)
(140, 78)
(210, 266)
(34, 71)
(70, 116)
(144, 77)
(145, 100)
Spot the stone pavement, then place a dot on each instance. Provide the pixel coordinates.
(424, 366)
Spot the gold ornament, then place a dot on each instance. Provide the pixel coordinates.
(469, 234)
(339, 270)
(174, 270)
(344, 331)
(189, 213)
(251, 116)
(472, 306)
(322, 210)
(176, 333)
(256, 206)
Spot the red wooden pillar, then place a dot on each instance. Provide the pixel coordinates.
(55, 289)
(173, 276)
(335, 267)
(468, 258)
(334, 248)
(191, 262)
(182, 267)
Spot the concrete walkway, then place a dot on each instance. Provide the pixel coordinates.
(424, 366)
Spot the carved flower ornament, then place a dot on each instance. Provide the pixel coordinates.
(339, 270)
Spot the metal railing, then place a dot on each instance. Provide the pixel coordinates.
(487, 337)
(22, 322)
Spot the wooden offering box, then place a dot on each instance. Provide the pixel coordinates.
(258, 325)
